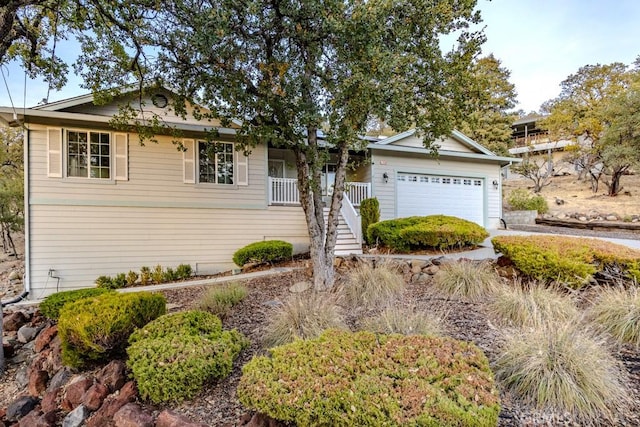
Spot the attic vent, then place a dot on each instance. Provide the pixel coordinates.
(159, 100)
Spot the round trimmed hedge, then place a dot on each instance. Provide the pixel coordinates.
(346, 379)
(52, 304)
(427, 232)
(261, 252)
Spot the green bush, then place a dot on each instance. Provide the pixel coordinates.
(174, 356)
(98, 328)
(365, 379)
(569, 260)
(169, 275)
(183, 271)
(157, 274)
(117, 282)
(369, 214)
(521, 200)
(52, 304)
(261, 252)
(132, 278)
(221, 299)
(145, 276)
(422, 232)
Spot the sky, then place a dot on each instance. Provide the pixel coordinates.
(541, 42)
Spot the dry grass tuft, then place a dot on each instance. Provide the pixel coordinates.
(370, 287)
(563, 367)
(303, 316)
(221, 299)
(524, 307)
(405, 321)
(617, 311)
(467, 279)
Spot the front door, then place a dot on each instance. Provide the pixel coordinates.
(328, 178)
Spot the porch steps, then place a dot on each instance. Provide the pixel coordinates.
(346, 243)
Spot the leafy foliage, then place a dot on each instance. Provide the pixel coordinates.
(369, 214)
(561, 366)
(52, 304)
(537, 171)
(435, 231)
(261, 252)
(372, 286)
(220, 300)
(617, 311)
(117, 282)
(520, 199)
(467, 279)
(175, 355)
(98, 328)
(569, 260)
(183, 271)
(364, 379)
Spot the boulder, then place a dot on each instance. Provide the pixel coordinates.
(417, 265)
(75, 391)
(8, 350)
(132, 415)
(112, 375)
(94, 396)
(21, 407)
(38, 419)
(60, 379)
(432, 269)
(45, 337)
(103, 417)
(611, 218)
(51, 399)
(439, 260)
(261, 420)
(169, 418)
(12, 322)
(76, 417)
(37, 382)
(14, 275)
(420, 278)
(27, 333)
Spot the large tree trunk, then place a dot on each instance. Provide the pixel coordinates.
(322, 236)
(613, 186)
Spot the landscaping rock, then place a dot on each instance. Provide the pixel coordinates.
(38, 382)
(261, 420)
(8, 350)
(582, 218)
(421, 278)
(45, 337)
(21, 407)
(12, 322)
(51, 400)
(432, 269)
(14, 275)
(22, 376)
(168, 418)
(417, 265)
(76, 417)
(611, 218)
(75, 391)
(103, 417)
(113, 375)
(94, 396)
(38, 419)
(438, 261)
(131, 415)
(60, 378)
(300, 287)
(27, 333)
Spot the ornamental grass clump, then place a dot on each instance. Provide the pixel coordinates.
(366, 379)
(467, 279)
(565, 368)
(517, 306)
(303, 316)
(568, 260)
(617, 311)
(173, 357)
(220, 300)
(404, 321)
(370, 286)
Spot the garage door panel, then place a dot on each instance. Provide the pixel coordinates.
(420, 194)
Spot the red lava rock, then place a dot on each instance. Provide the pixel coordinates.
(261, 420)
(94, 396)
(45, 337)
(8, 350)
(168, 418)
(38, 382)
(112, 375)
(50, 400)
(132, 415)
(75, 391)
(503, 261)
(103, 417)
(14, 321)
(38, 419)
(55, 358)
(3, 413)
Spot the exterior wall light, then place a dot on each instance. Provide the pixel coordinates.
(495, 184)
(385, 177)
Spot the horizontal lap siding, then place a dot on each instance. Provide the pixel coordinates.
(419, 163)
(82, 243)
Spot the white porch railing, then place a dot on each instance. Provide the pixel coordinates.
(284, 191)
(351, 217)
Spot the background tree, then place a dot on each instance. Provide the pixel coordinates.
(580, 113)
(537, 171)
(287, 69)
(490, 98)
(11, 187)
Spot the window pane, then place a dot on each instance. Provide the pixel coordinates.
(215, 162)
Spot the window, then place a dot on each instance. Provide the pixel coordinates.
(413, 178)
(88, 154)
(435, 180)
(467, 182)
(424, 179)
(456, 180)
(215, 162)
(446, 180)
(477, 182)
(401, 178)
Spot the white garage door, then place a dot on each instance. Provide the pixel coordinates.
(422, 195)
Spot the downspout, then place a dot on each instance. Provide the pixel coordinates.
(27, 212)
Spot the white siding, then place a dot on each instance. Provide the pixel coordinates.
(447, 144)
(392, 163)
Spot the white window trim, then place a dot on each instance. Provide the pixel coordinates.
(197, 164)
(65, 157)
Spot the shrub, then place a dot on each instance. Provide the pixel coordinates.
(52, 304)
(524, 307)
(560, 366)
(221, 299)
(98, 328)
(617, 311)
(521, 200)
(435, 231)
(399, 320)
(175, 355)
(145, 276)
(169, 275)
(117, 282)
(157, 274)
(365, 379)
(569, 260)
(132, 278)
(104, 282)
(183, 271)
(368, 286)
(261, 252)
(369, 214)
(302, 316)
(467, 279)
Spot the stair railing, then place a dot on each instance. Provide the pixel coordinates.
(351, 217)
